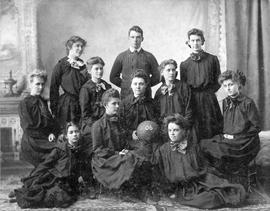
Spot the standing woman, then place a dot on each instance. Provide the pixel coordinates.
(90, 95)
(68, 73)
(200, 71)
(39, 127)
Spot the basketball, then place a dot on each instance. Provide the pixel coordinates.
(147, 130)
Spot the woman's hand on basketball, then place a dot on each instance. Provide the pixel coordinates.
(134, 135)
(123, 152)
(51, 137)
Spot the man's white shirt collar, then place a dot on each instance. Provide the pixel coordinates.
(133, 49)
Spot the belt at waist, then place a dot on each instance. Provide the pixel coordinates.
(228, 136)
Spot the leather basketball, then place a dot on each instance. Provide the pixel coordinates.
(147, 130)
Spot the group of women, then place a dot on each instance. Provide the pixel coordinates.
(199, 158)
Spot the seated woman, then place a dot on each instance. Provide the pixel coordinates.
(54, 182)
(90, 95)
(173, 96)
(184, 172)
(112, 163)
(39, 127)
(231, 152)
(137, 107)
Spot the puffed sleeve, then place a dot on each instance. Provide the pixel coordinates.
(157, 105)
(31, 119)
(253, 116)
(25, 117)
(216, 69)
(188, 104)
(57, 163)
(157, 157)
(155, 78)
(122, 113)
(85, 102)
(99, 147)
(56, 80)
(116, 71)
(183, 73)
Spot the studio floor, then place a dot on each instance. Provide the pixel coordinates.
(13, 171)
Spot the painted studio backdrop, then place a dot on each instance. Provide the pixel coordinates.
(33, 35)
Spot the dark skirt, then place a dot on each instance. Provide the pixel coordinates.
(230, 155)
(208, 117)
(35, 150)
(68, 110)
(44, 190)
(115, 170)
(210, 192)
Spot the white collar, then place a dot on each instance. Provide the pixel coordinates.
(133, 49)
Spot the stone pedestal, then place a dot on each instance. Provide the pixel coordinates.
(10, 130)
(18, 43)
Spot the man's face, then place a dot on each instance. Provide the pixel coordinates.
(135, 39)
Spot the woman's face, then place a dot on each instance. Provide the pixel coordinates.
(73, 135)
(169, 72)
(138, 86)
(112, 106)
(195, 42)
(96, 71)
(231, 87)
(76, 50)
(176, 133)
(37, 86)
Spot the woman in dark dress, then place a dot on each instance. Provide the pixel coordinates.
(113, 165)
(185, 174)
(90, 95)
(200, 71)
(54, 182)
(69, 75)
(231, 152)
(39, 127)
(173, 96)
(137, 107)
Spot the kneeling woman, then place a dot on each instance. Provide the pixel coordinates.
(54, 182)
(192, 186)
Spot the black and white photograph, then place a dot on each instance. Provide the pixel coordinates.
(138, 105)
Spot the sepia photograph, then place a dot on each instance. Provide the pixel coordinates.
(135, 105)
